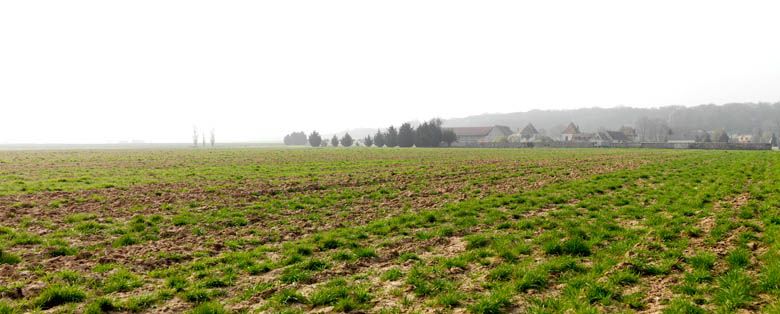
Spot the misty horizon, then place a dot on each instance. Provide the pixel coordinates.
(186, 135)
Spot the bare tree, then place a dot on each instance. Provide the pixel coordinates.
(213, 140)
(652, 130)
(195, 136)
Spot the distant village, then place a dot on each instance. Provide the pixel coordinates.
(626, 136)
(645, 134)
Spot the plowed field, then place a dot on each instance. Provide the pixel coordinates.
(389, 231)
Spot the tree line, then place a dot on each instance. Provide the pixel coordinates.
(760, 120)
(427, 134)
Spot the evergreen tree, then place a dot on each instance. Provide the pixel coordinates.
(334, 141)
(391, 137)
(421, 138)
(429, 134)
(368, 141)
(346, 141)
(379, 139)
(406, 135)
(315, 140)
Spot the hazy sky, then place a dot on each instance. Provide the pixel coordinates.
(104, 71)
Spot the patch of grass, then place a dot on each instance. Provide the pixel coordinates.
(735, 290)
(140, 303)
(121, 281)
(770, 277)
(100, 306)
(60, 250)
(209, 308)
(364, 252)
(343, 256)
(126, 240)
(494, 303)
(450, 299)
(79, 217)
(261, 268)
(89, 227)
(295, 274)
(624, 278)
(69, 277)
(573, 246)
(503, 272)
(55, 295)
(330, 244)
(739, 258)
(532, 279)
(597, 292)
(703, 261)
(8, 258)
(6, 308)
(392, 274)
(408, 256)
(682, 306)
(177, 283)
(216, 281)
(197, 295)
(477, 241)
(24, 238)
(184, 219)
(314, 265)
(289, 296)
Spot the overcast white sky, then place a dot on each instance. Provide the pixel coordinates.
(105, 71)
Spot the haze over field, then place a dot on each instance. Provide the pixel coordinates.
(103, 72)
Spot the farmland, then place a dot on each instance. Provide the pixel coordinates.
(389, 231)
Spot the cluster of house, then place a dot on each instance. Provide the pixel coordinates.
(529, 134)
(470, 136)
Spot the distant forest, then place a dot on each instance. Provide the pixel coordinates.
(757, 119)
